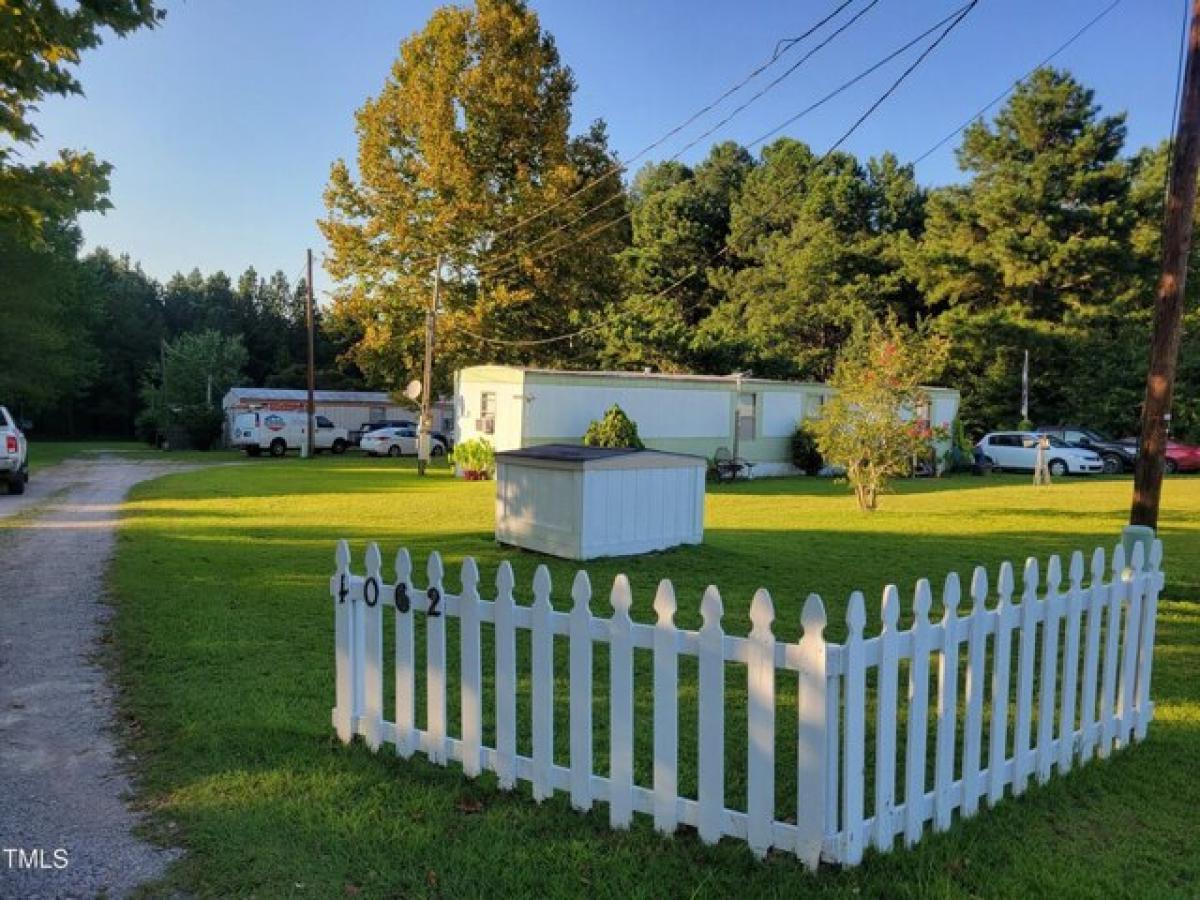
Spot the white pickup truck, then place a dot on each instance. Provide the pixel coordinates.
(14, 454)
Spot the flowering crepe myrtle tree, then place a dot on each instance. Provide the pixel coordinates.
(872, 426)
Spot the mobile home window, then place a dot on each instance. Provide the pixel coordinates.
(487, 413)
(747, 413)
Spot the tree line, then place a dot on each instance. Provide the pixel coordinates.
(763, 261)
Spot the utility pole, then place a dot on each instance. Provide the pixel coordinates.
(312, 375)
(1168, 305)
(426, 424)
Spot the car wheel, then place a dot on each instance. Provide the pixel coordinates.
(1058, 468)
(278, 447)
(1112, 464)
(1172, 466)
(16, 484)
(394, 450)
(339, 446)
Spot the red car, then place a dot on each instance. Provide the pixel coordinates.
(1182, 457)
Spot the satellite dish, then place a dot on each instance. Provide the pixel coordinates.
(413, 391)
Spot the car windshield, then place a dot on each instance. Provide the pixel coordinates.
(1098, 436)
(1057, 442)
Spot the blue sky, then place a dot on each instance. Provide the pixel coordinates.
(222, 123)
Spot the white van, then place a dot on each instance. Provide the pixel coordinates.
(278, 432)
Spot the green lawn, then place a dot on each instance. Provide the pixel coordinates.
(225, 634)
(43, 454)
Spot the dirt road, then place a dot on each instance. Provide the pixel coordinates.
(65, 829)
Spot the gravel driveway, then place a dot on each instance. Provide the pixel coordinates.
(65, 830)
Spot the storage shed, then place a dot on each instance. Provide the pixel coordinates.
(583, 502)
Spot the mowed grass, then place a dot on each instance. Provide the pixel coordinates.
(225, 654)
(44, 454)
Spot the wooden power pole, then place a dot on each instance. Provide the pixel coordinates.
(1169, 302)
(312, 374)
(426, 424)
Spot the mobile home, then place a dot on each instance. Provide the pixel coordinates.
(753, 418)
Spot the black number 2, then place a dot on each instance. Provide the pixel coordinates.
(434, 599)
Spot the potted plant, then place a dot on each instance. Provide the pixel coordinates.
(476, 459)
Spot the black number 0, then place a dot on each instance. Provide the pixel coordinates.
(371, 592)
(434, 599)
(403, 604)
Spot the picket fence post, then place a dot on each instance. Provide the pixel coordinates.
(1133, 621)
(1070, 679)
(1048, 685)
(1145, 659)
(853, 754)
(344, 661)
(506, 678)
(812, 734)
(760, 720)
(947, 710)
(666, 709)
(1001, 657)
(542, 706)
(710, 771)
(976, 660)
(372, 647)
(620, 629)
(581, 693)
(916, 750)
(1117, 589)
(471, 670)
(885, 720)
(435, 662)
(1096, 598)
(404, 666)
(1028, 635)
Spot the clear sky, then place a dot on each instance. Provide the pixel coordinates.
(222, 123)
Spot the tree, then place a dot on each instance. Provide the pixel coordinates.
(42, 42)
(616, 429)
(466, 141)
(873, 425)
(201, 367)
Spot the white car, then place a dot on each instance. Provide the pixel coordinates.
(400, 441)
(14, 454)
(1017, 450)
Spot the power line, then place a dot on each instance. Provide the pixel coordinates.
(953, 20)
(1183, 29)
(812, 107)
(983, 109)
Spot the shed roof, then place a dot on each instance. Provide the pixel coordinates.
(253, 393)
(571, 455)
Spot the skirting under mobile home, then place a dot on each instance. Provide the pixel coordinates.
(753, 418)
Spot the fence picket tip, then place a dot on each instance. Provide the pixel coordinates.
(504, 578)
(1053, 575)
(856, 613)
(434, 569)
(1076, 573)
(979, 589)
(373, 559)
(541, 582)
(470, 574)
(1118, 561)
(813, 617)
(342, 556)
(762, 612)
(621, 597)
(1098, 565)
(922, 600)
(1138, 558)
(403, 565)
(951, 594)
(581, 590)
(664, 602)
(711, 608)
(1156, 553)
(1030, 577)
(1005, 582)
(890, 607)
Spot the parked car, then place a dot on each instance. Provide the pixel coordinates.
(1017, 450)
(14, 454)
(1117, 456)
(278, 432)
(1179, 457)
(367, 427)
(400, 441)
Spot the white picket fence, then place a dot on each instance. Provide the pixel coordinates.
(1082, 688)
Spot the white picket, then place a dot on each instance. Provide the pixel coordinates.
(760, 717)
(579, 626)
(1118, 589)
(344, 662)
(666, 711)
(885, 720)
(830, 821)
(371, 724)
(1070, 679)
(620, 729)
(1154, 584)
(1097, 598)
(947, 710)
(405, 668)
(1022, 764)
(812, 788)
(506, 678)
(542, 705)
(1133, 622)
(1048, 682)
(918, 715)
(976, 659)
(435, 662)
(853, 754)
(471, 671)
(710, 766)
(1001, 660)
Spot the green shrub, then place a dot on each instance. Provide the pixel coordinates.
(476, 458)
(805, 455)
(615, 430)
(203, 425)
